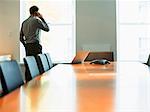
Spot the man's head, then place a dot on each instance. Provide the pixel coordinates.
(33, 10)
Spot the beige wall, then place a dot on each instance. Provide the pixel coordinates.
(9, 27)
(95, 24)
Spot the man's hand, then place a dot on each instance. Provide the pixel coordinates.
(39, 15)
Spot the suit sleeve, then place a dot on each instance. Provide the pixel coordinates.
(22, 37)
(43, 25)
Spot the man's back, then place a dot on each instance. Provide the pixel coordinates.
(29, 34)
(31, 30)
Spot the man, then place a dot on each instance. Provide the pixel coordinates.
(29, 34)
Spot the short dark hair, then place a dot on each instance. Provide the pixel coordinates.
(33, 9)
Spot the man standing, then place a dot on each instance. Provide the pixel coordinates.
(29, 34)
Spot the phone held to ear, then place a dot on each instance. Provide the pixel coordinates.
(38, 14)
(101, 62)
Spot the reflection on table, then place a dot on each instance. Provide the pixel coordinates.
(116, 87)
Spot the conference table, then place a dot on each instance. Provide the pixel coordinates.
(114, 87)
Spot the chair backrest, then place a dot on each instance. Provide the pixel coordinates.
(49, 60)
(11, 76)
(148, 61)
(80, 57)
(31, 67)
(42, 63)
(1, 90)
(100, 55)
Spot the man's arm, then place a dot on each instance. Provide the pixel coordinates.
(21, 37)
(42, 25)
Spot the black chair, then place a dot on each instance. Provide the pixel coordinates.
(42, 63)
(100, 55)
(148, 61)
(31, 68)
(49, 60)
(10, 75)
(1, 90)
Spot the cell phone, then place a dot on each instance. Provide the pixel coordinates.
(36, 13)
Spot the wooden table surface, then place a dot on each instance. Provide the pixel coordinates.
(116, 87)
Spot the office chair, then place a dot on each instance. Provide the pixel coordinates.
(1, 90)
(148, 61)
(49, 60)
(100, 55)
(42, 63)
(10, 75)
(31, 68)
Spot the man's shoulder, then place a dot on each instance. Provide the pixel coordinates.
(31, 19)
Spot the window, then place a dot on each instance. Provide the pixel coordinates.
(133, 30)
(60, 16)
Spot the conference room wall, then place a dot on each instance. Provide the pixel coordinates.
(9, 28)
(95, 24)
